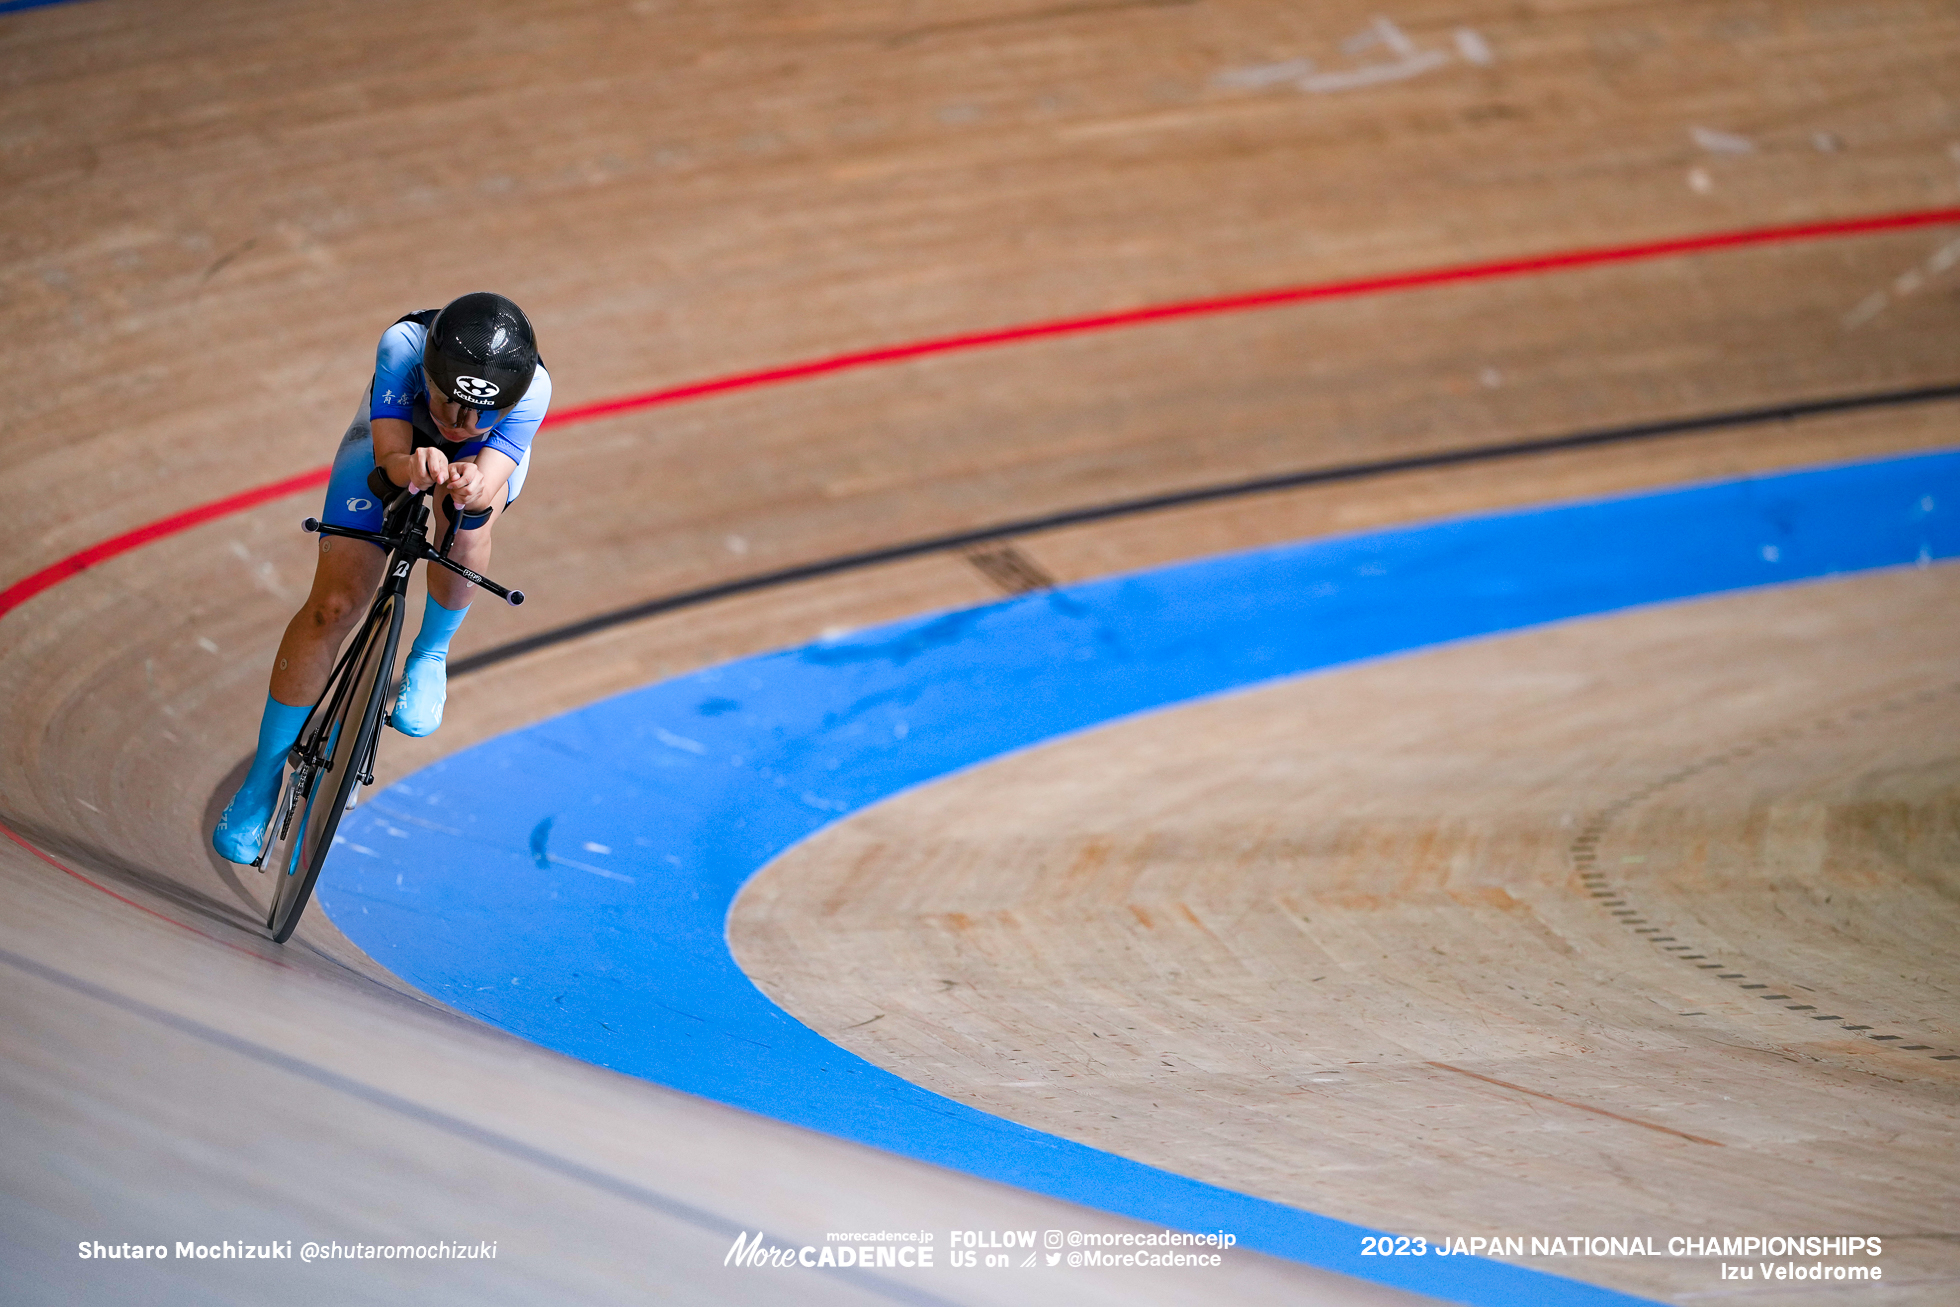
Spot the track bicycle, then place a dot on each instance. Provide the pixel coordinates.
(334, 755)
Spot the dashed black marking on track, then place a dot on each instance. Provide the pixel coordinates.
(1583, 854)
(1012, 571)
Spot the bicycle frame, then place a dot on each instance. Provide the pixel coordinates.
(317, 752)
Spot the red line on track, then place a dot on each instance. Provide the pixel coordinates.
(1263, 299)
(22, 590)
(13, 835)
(26, 588)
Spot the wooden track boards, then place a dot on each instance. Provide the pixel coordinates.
(1377, 942)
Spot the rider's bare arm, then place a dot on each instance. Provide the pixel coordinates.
(395, 453)
(476, 480)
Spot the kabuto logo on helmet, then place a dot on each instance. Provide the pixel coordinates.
(480, 351)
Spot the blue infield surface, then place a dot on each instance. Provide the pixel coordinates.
(570, 882)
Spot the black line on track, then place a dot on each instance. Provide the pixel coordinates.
(455, 1127)
(490, 657)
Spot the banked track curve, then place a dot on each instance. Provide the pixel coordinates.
(682, 791)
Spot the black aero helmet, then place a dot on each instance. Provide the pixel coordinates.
(481, 351)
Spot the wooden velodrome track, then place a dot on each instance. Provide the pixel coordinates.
(1350, 911)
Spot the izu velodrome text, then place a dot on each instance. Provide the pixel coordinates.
(1599, 1245)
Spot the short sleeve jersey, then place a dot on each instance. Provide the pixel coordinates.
(400, 388)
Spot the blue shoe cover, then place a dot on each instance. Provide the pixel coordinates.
(241, 831)
(425, 687)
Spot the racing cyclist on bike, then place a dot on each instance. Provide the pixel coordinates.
(456, 398)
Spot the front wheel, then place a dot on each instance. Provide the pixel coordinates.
(319, 794)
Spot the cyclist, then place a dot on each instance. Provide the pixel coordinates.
(456, 398)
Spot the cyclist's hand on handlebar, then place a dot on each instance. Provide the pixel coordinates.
(426, 467)
(463, 481)
(423, 468)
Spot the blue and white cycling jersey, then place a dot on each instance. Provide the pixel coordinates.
(399, 387)
(399, 390)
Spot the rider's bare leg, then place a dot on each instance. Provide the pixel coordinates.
(344, 580)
